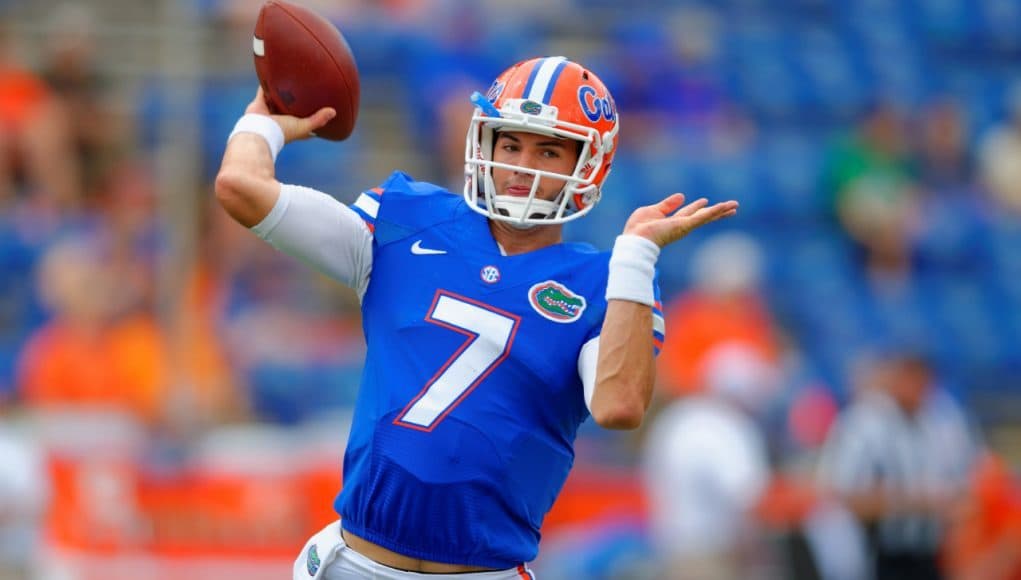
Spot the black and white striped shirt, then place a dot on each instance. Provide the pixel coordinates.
(875, 444)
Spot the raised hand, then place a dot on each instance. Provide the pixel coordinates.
(294, 128)
(663, 223)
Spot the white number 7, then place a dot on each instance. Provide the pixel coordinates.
(490, 334)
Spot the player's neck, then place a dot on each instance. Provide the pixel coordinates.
(516, 241)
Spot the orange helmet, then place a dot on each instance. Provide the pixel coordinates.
(550, 96)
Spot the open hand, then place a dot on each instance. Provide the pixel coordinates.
(663, 223)
(295, 128)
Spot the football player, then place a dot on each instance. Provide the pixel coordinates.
(490, 340)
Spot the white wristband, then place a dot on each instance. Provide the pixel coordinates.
(263, 126)
(632, 269)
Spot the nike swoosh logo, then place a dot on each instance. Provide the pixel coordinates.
(418, 250)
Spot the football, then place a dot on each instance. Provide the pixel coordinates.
(304, 64)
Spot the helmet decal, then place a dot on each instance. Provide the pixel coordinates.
(495, 90)
(595, 106)
(531, 108)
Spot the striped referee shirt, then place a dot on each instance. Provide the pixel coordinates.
(876, 445)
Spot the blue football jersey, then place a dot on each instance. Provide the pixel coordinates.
(471, 396)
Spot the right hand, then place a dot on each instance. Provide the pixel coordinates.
(294, 128)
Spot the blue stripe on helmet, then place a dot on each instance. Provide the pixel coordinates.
(553, 82)
(531, 78)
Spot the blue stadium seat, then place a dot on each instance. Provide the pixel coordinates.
(946, 21)
(20, 309)
(968, 324)
(834, 82)
(790, 162)
(291, 393)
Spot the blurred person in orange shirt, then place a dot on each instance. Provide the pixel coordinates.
(104, 350)
(724, 306)
(94, 353)
(105, 346)
(36, 151)
(984, 543)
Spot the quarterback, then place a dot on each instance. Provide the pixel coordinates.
(490, 340)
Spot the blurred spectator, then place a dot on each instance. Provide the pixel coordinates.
(873, 192)
(36, 137)
(985, 543)
(818, 537)
(705, 466)
(206, 387)
(724, 306)
(127, 223)
(104, 347)
(71, 70)
(944, 162)
(899, 458)
(94, 352)
(999, 153)
(952, 217)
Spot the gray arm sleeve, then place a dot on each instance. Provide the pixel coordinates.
(322, 232)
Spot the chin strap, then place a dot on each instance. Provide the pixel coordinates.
(514, 207)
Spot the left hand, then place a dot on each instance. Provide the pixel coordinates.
(659, 224)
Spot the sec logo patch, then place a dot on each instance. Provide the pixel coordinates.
(490, 274)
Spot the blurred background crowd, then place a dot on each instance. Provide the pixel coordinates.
(840, 391)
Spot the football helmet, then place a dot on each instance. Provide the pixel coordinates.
(549, 96)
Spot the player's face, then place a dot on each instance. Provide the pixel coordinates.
(534, 152)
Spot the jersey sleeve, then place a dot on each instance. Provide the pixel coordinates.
(322, 232)
(367, 207)
(401, 207)
(658, 322)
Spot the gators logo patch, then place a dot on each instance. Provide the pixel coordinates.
(556, 302)
(312, 560)
(531, 108)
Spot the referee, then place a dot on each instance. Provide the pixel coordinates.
(899, 458)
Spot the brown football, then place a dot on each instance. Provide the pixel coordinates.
(304, 64)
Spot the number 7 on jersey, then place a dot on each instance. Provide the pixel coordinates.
(490, 335)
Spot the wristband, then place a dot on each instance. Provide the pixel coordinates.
(264, 127)
(632, 269)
